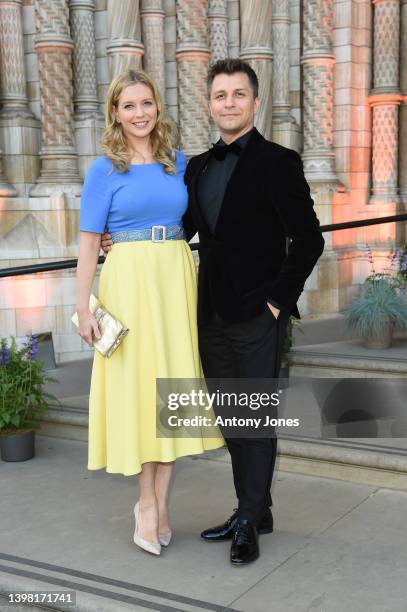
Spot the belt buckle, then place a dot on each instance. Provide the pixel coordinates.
(153, 233)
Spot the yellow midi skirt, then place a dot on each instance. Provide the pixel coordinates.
(151, 287)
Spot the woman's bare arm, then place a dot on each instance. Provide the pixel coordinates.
(89, 246)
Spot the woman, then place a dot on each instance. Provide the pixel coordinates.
(149, 286)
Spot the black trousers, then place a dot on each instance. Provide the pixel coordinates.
(252, 349)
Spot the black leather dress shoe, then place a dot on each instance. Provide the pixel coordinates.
(245, 544)
(266, 524)
(227, 529)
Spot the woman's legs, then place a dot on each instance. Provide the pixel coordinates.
(154, 483)
(162, 483)
(148, 517)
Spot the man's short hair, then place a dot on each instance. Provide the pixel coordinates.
(232, 65)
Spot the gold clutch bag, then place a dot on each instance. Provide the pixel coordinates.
(112, 331)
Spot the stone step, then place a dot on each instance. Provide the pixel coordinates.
(315, 329)
(348, 358)
(65, 422)
(339, 358)
(318, 329)
(365, 461)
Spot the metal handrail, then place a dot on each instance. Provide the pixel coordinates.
(72, 263)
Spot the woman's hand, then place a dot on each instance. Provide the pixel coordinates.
(88, 328)
(106, 243)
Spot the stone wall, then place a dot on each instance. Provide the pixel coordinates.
(333, 82)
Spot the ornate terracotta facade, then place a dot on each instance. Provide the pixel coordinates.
(193, 55)
(333, 85)
(54, 47)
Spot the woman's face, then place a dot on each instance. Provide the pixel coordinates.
(137, 111)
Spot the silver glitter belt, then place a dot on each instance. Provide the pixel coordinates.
(157, 233)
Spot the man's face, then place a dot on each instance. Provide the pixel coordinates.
(232, 104)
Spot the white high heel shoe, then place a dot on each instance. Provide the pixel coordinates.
(151, 547)
(165, 538)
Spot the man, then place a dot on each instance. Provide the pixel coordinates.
(247, 195)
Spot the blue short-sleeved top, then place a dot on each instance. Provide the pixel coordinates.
(138, 199)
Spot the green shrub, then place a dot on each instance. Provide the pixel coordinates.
(22, 378)
(380, 301)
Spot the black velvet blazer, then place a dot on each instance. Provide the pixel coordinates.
(245, 260)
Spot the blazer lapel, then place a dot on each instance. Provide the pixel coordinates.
(194, 203)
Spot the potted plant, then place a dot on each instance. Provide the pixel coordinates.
(22, 397)
(380, 307)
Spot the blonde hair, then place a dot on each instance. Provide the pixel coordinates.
(114, 143)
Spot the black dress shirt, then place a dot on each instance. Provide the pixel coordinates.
(212, 183)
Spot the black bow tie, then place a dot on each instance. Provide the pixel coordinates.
(219, 150)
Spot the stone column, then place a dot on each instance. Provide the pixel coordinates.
(82, 24)
(152, 25)
(13, 92)
(233, 28)
(318, 63)
(385, 99)
(218, 29)
(295, 71)
(170, 45)
(403, 109)
(53, 45)
(6, 190)
(283, 122)
(255, 48)
(19, 128)
(193, 56)
(88, 119)
(124, 48)
(218, 40)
